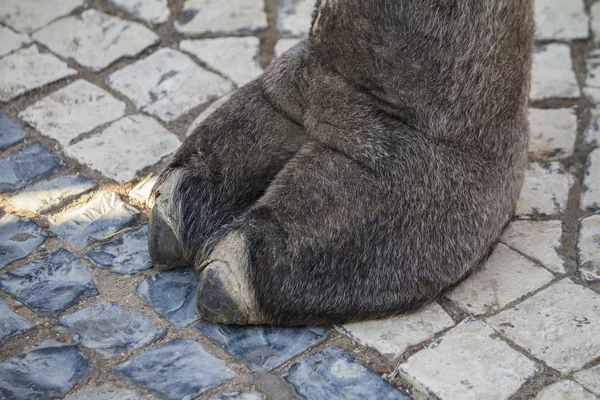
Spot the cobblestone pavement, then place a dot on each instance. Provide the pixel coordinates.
(93, 94)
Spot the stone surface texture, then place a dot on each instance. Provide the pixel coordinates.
(95, 98)
(95, 39)
(168, 84)
(73, 110)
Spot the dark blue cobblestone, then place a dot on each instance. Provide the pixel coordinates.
(106, 392)
(110, 328)
(44, 372)
(179, 370)
(51, 284)
(238, 396)
(263, 348)
(333, 374)
(172, 294)
(127, 254)
(18, 238)
(26, 166)
(10, 132)
(11, 323)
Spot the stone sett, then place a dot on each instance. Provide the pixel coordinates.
(95, 39)
(12, 323)
(565, 390)
(553, 326)
(29, 15)
(592, 80)
(589, 248)
(590, 198)
(553, 75)
(553, 133)
(73, 110)
(560, 20)
(236, 58)
(125, 147)
(595, 20)
(10, 132)
(214, 16)
(10, 40)
(18, 238)
(592, 131)
(284, 45)
(143, 190)
(392, 336)
(28, 69)
(590, 379)
(471, 362)
(540, 240)
(106, 392)
(295, 17)
(238, 396)
(151, 11)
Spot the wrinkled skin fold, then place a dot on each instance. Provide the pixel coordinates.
(371, 168)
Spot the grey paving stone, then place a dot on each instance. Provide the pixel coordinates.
(592, 132)
(238, 58)
(172, 294)
(589, 248)
(168, 84)
(392, 336)
(553, 75)
(590, 198)
(295, 17)
(46, 195)
(334, 374)
(196, 371)
(263, 348)
(238, 396)
(10, 40)
(493, 286)
(469, 362)
(153, 11)
(12, 323)
(545, 190)
(590, 379)
(284, 45)
(565, 390)
(26, 166)
(51, 284)
(106, 392)
(28, 69)
(540, 240)
(10, 132)
(595, 20)
(125, 255)
(73, 110)
(95, 39)
(234, 16)
(143, 190)
(557, 325)
(98, 219)
(29, 15)
(207, 113)
(560, 20)
(553, 133)
(592, 79)
(110, 328)
(18, 238)
(125, 147)
(42, 373)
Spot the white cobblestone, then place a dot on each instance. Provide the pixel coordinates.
(590, 379)
(206, 113)
(595, 20)
(10, 40)
(214, 16)
(295, 16)
(29, 15)
(95, 39)
(553, 74)
(236, 58)
(284, 45)
(392, 336)
(592, 132)
(493, 286)
(125, 147)
(545, 190)
(565, 390)
(73, 110)
(168, 84)
(589, 248)
(469, 362)
(28, 69)
(590, 198)
(540, 240)
(553, 133)
(558, 325)
(141, 192)
(592, 79)
(151, 11)
(560, 20)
